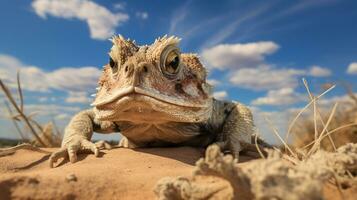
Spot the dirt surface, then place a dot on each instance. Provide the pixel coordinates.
(116, 174)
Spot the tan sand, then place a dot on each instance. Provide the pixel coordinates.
(116, 174)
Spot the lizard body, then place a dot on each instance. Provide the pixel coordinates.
(156, 96)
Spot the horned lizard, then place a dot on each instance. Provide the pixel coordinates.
(157, 96)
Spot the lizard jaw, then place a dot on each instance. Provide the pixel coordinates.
(136, 90)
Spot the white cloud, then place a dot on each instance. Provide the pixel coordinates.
(265, 78)
(101, 21)
(301, 6)
(42, 99)
(76, 79)
(48, 112)
(247, 66)
(78, 97)
(236, 56)
(44, 114)
(8, 67)
(343, 100)
(63, 116)
(318, 71)
(284, 96)
(279, 119)
(221, 95)
(41, 110)
(48, 108)
(35, 79)
(46, 99)
(142, 15)
(213, 82)
(179, 15)
(244, 16)
(352, 68)
(119, 6)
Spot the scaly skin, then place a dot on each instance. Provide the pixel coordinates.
(156, 96)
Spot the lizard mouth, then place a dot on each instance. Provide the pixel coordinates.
(155, 95)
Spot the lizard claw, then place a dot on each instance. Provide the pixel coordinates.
(103, 145)
(62, 153)
(87, 145)
(71, 150)
(72, 153)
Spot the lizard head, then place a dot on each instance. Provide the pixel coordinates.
(155, 83)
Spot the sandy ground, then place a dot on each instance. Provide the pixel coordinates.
(116, 174)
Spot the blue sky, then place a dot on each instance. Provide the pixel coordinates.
(257, 52)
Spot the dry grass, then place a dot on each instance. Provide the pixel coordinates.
(305, 129)
(320, 130)
(316, 128)
(39, 135)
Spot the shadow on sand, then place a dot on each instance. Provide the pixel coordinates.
(188, 155)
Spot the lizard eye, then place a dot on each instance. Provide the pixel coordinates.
(170, 61)
(113, 65)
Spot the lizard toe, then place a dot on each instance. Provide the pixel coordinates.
(62, 153)
(87, 145)
(72, 153)
(103, 145)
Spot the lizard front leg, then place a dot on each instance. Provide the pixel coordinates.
(238, 129)
(78, 134)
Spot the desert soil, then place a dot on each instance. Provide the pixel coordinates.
(117, 174)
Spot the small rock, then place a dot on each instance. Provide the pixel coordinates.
(71, 177)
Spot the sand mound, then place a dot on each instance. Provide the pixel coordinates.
(132, 174)
(116, 174)
(219, 177)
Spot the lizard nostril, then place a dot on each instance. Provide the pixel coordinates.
(145, 69)
(126, 68)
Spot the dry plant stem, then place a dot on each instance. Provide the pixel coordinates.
(329, 120)
(330, 132)
(316, 109)
(29, 116)
(39, 127)
(329, 136)
(7, 151)
(257, 146)
(316, 146)
(339, 128)
(58, 133)
(19, 90)
(303, 110)
(349, 173)
(315, 118)
(27, 122)
(312, 99)
(14, 122)
(293, 160)
(277, 134)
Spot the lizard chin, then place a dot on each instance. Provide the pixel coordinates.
(142, 106)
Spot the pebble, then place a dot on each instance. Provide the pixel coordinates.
(71, 177)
